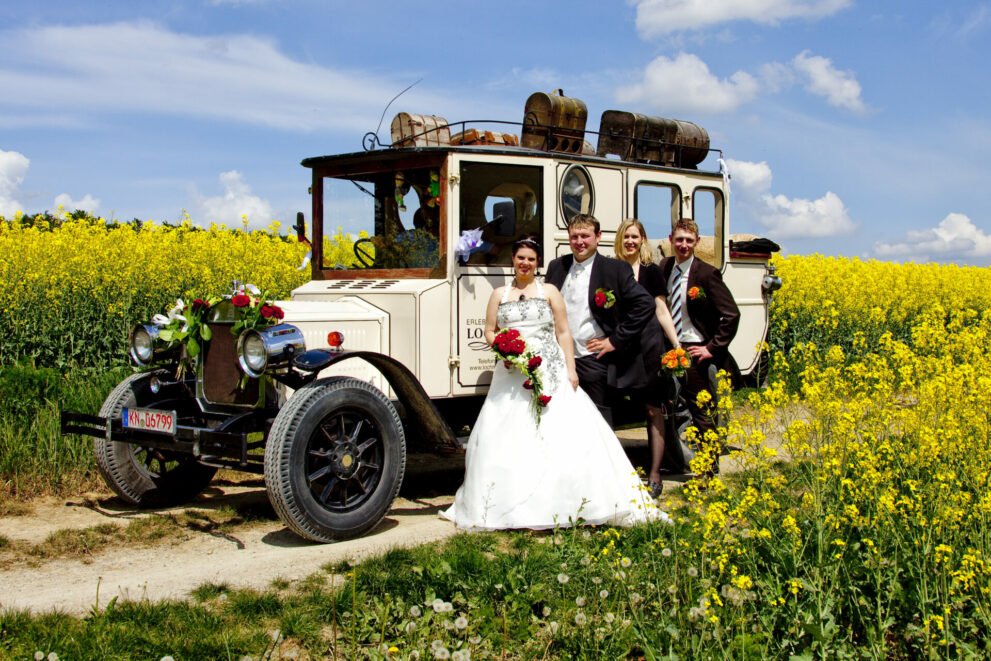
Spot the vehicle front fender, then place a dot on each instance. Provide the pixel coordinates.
(420, 410)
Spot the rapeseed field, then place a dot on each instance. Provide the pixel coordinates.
(858, 527)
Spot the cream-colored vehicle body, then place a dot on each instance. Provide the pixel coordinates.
(433, 321)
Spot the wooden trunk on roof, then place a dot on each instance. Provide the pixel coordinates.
(645, 139)
(411, 130)
(554, 122)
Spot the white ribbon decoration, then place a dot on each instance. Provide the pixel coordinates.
(724, 169)
(469, 239)
(174, 313)
(306, 260)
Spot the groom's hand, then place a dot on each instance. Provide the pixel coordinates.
(600, 346)
(700, 353)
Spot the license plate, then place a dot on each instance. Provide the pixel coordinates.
(150, 420)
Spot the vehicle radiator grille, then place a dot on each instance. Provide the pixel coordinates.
(221, 373)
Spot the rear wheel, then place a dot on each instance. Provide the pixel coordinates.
(335, 459)
(141, 476)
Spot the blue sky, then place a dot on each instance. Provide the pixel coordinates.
(850, 128)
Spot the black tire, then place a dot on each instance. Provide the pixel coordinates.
(140, 476)
(335, 459)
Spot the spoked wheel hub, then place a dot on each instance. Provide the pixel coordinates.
(344, 460)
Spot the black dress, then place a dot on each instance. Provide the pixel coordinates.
(651, 278)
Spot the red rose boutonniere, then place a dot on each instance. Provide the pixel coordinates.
(696, 293)
(513, 351)
(604, 298)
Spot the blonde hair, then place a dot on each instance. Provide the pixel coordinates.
(646, 254)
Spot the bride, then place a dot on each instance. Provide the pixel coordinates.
(540, 465)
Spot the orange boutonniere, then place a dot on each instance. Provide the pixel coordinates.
(696, 293)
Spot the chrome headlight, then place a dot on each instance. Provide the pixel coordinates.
(143, 344)
(263, 349)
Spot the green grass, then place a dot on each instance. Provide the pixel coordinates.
(35, 459)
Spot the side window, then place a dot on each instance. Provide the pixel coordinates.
(498, 204)
(657, 206)
(707, 211)
(577, 195)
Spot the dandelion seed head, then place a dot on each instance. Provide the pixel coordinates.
(410, 627)
(610, 618)
(461, 623)
(596, 580)
(546, 611)
(625, 562)
(39, 656)
(666, 552)
(586, 561)
(553, 627)
(693, 572)
(603, 594)
(579, 601)
(562, 578)
(580, 619)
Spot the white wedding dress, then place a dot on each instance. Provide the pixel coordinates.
(569, 469)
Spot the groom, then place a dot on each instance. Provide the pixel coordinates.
(616, 333)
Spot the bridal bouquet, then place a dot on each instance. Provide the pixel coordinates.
(675, 362)
(512, 350)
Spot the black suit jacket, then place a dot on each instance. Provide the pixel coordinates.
(715, 314)
(630, 324)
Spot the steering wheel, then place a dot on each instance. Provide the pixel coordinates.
(364, 257)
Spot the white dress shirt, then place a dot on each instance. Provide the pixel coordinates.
(689, 333)
(575, 294)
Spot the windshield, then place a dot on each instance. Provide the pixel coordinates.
(386, 220)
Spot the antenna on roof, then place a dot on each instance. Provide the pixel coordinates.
(372, 138)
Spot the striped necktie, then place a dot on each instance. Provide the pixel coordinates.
(677, 299)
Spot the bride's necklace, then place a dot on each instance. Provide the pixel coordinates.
(522, 290)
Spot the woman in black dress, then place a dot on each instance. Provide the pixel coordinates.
(632, 247)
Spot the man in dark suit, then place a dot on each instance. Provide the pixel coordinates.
(705, 316)
(618, 339)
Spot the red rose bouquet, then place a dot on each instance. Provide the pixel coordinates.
(512, 350)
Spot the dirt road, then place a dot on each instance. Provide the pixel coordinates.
(252, 555)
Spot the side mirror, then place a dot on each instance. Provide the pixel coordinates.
(504, 219)
(300, 228)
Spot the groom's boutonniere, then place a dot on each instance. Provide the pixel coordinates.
(604, 298)
(696, 293)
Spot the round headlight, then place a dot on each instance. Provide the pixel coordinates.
(142, 346)
(253, 356)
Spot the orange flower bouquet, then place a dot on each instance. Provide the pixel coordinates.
(675, 362)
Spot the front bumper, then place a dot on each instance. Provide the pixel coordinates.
(227, 449)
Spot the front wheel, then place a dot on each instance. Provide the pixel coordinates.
(145, 477)
(335, 459)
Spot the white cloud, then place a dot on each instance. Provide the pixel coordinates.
(840, 88)
(13, 165)
(685, 84)
(236, 201)
(796, 217)
(786, 217)
(88, 203)
(661, 17)
(956, 238)
(749, 179)
(139, 66)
